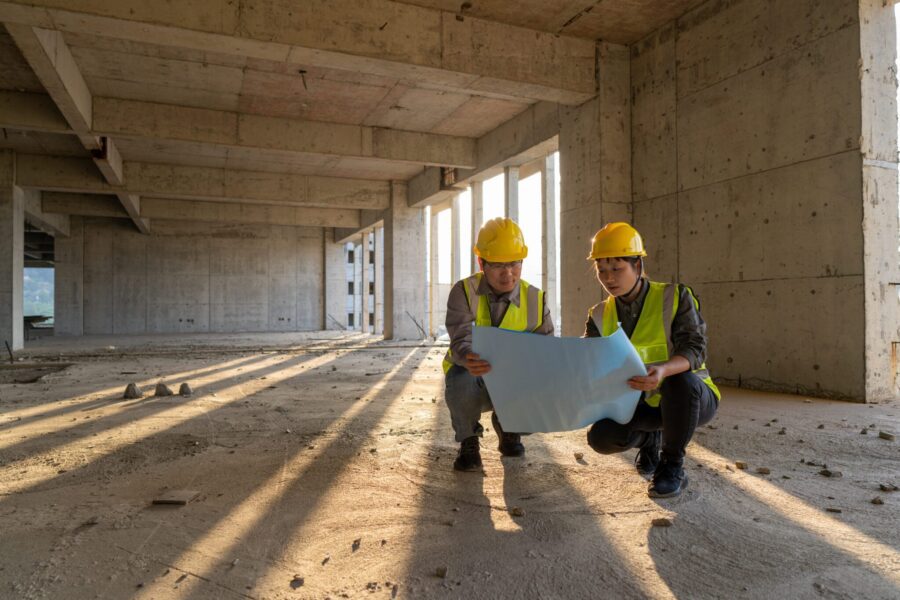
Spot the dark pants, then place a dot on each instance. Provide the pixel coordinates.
(467, 397)
(686, 403)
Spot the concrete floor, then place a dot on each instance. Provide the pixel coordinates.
(323, 463)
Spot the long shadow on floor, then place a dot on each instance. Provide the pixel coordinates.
(145, 447)
(728, 540)
(557, 549)
(262, 518)
(115, 397)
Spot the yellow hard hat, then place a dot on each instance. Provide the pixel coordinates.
(616, 240)
(500, 240)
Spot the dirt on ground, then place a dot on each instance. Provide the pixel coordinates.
(322, 469)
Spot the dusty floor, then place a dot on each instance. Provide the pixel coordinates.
(323, 466)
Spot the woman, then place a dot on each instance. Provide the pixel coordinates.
(664, 324)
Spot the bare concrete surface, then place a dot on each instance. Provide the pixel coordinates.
(323, 463)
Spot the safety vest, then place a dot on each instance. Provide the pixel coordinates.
(652, 336)
(528, 316)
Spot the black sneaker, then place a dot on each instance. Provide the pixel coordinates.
(647, 458)
(668, 480)
(510, 443)
(469, 457)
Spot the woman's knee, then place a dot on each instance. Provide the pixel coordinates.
(607, 437)
(683, 387)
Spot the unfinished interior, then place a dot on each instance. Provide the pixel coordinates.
(270, 200)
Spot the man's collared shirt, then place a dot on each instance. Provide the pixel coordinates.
(460, 318)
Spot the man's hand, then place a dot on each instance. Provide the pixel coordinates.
(475, 366)
(650, 381)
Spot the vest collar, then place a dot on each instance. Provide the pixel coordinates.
(513, 297)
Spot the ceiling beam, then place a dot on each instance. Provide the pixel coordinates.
(92, 205)
(151, 121)
(380, 37)
(31, 112)
(148, 180)
(48, 55)
(526, 137)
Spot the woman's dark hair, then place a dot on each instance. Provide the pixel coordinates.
(632, 260)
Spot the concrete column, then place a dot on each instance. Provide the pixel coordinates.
(404, 267)
(364, 283)
(68, 288)
(595, 168)
(455, 241)
(379, 280)
(548, 212)
(511, 192)
(12, 254)
(357, 285)
(433, 271)
(477, 217)
(335, 284)
(881, 257)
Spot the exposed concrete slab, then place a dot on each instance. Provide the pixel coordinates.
(12, 253)
(345, 35)
(405, 254)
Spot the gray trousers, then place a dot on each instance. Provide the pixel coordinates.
(466, 397)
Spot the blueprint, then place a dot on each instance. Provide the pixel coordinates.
(542, 383)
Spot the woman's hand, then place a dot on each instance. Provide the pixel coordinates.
(475, 366)
(650, 381)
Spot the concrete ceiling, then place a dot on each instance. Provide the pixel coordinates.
(274, 90)
(616, 21)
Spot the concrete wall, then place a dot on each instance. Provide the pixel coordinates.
(595, 181)
(747, 185)
(192, 277)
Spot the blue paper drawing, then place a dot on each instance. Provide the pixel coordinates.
(544, 384)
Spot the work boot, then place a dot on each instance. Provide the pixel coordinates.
(669, 479)
(469, 457)
(510, 443)
(647, 458)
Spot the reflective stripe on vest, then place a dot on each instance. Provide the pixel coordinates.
(528, 316)
(652, 336)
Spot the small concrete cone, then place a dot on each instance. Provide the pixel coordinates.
(132, 391)
(162, 390)
(185, 390)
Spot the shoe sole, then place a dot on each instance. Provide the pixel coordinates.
(513, 454)
(472, 469)
(677, 492)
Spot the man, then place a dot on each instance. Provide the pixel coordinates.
(494, 297)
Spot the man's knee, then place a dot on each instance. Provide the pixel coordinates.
(607, 437)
